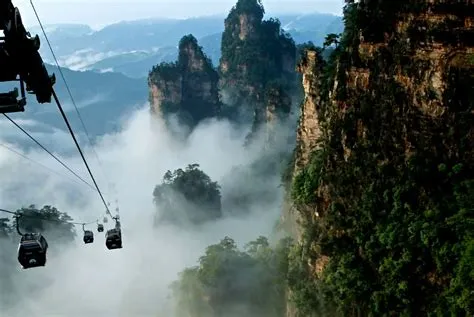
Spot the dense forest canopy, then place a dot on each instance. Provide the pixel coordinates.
(231, 282)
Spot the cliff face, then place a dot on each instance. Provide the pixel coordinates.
(257, 56)
(308, 132)
(186, 88)
(309, 129)
(381, 198)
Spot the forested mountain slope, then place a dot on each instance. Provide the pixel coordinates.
(383, 175)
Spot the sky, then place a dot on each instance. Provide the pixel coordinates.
(98, 13)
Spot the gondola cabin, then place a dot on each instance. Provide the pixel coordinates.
(100, 228)
(32, 250)
(113, 239)
(88, 236)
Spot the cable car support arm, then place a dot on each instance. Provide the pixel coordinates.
(17, 218)
(20, 61)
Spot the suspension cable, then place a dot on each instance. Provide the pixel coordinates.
(18, 214)
(44, 166)
(47, 151)
(80, 151)
(68, 90)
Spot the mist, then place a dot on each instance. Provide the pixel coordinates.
(134, 281)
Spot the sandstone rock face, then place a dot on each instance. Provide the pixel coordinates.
(187, 88)
(256, 56)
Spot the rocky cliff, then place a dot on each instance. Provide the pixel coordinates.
(186, 88)
(256, 82)
(383, 180)
(257, 77)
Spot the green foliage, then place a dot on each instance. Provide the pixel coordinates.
(187, 196)
(305, 183)
(287, 169)
(164, 71)
(331, 39)
(470, 59)
(47, 220)
(231, 282)
(187, 43)
(250, 6)
(190, 295)
(306, 291)
(401, 247)
(261, 53)
(302, 48)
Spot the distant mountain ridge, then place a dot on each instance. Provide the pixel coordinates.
(102, 99)
(133, 47)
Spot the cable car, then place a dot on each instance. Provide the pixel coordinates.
(10, 103)
(88, 236)
(113, 239)
(32, 250)
(100, 227)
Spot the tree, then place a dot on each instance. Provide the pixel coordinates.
(231, 282)
(187, 196)
(47, 220)
(190, 295)
(331, 39)
(5, 229)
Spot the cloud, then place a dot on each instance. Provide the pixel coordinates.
(91, 280)
(81, 59)
(52, 138)
(94, 100)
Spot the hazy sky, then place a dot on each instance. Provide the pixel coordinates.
(102, 12)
